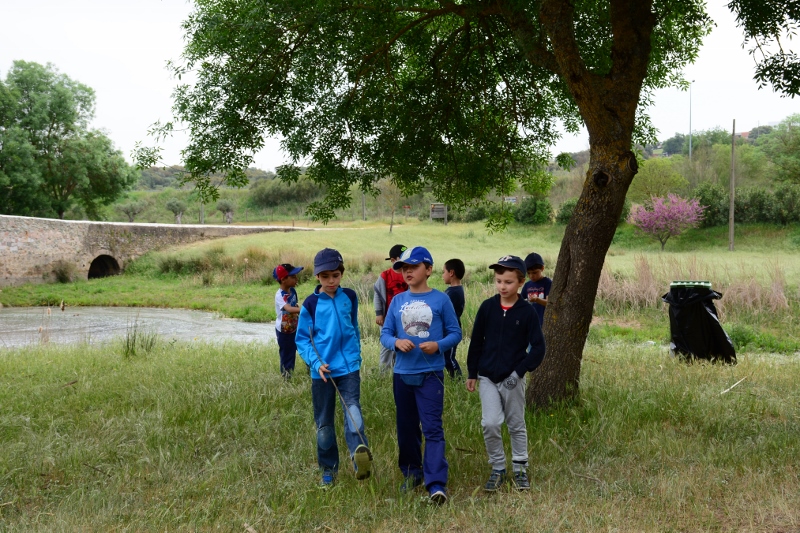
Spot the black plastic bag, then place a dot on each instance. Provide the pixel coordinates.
(694, 325)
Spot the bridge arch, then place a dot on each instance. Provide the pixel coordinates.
(103, 266)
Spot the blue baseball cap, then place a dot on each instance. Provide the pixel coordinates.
(284, 270)
(413, 256)
(327, 259)
(533, 260)
(509, 261)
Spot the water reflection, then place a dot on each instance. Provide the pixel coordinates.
(20, 326)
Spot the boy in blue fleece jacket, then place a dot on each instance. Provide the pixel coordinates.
(420, 325)
(329, 342)
(506, 343)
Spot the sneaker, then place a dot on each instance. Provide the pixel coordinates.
(438, 495)
(521, 480)
(496, 480)
(410, 483)
(328, 479)
(362, 458)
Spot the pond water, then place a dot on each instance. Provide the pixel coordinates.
(21, 326)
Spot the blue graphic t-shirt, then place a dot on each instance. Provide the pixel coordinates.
(420, 317)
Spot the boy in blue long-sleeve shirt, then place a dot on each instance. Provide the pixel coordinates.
(329, 342)
(420, 325)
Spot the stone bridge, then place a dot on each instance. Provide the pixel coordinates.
(32, 249)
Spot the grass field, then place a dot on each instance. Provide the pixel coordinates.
(185, 437)
(208, 437)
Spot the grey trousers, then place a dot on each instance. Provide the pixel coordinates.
(386, 359)
(504, 402)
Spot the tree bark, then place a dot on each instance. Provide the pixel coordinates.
(608, 105)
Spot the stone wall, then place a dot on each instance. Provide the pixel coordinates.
(32, 248)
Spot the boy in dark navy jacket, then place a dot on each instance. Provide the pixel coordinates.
(507, 342)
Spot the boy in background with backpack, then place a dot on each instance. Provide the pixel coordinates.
(388, 284)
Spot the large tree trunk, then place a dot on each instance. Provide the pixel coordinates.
(607, 103)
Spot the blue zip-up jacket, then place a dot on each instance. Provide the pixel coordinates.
(420, 317)
(334, 323)
(501, 340)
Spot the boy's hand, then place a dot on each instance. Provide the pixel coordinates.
(404, 345)
(471, 384)
(379, 320)
(324, 370)
(429, 347)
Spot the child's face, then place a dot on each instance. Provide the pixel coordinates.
(289, 281)
(447, 275)
(330, 280)
(416, 275)
(537, 273)
(507, 284)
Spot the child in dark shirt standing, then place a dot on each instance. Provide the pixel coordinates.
(537, 289)
(506, 343)
(452, 274)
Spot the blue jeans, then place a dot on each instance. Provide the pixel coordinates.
(323, 396)
(419, 412)
(287, 349)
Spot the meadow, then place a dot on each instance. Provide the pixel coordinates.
(185, 437)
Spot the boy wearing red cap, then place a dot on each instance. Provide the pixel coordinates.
(286, 312)
(389, 284)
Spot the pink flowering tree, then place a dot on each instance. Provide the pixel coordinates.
(666, 217)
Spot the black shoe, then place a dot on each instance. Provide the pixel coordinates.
(496, 480)
(521, 480)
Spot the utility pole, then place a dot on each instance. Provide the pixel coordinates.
(732, 186)
(690, 120)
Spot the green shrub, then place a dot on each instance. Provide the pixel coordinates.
(64, 271)
(786, 206)
(565, 211)
(714, 200)
(534, 212)
(568, 207)
(274, 192)
(753, 205)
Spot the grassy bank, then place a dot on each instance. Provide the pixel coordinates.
(200, 437)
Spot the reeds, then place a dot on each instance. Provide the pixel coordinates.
(745, 292)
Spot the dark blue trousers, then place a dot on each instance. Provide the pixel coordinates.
(451, 364)
(287, 348)
(419, 412)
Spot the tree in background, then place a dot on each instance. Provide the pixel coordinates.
(131, 209)
(782, 146)
(177, 207)
(50, 161)
(226, 207)
(668, 217)
(674, 145)
(390, 196)
(656, 178)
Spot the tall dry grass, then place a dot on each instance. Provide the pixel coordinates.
(745, 292)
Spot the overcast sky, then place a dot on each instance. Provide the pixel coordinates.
(120, 49)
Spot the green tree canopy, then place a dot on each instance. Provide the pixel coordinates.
(50, 160)
(782, 147)
(462, 97)
(657, 177)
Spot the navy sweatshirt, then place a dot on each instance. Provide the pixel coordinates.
(500, 341)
